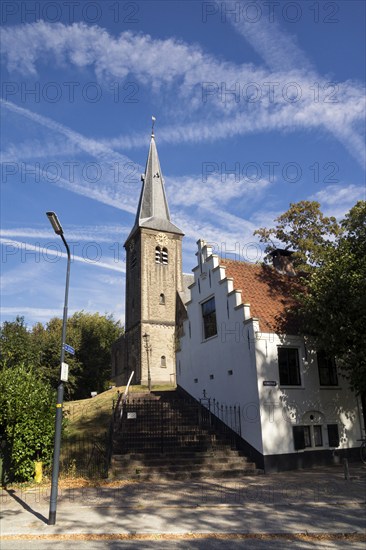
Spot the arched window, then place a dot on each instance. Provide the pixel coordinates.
(162, 299)
(163, 361)
(133, 260)
(158, 255)
(164, 256)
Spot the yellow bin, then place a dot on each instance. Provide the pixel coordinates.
(38, 472)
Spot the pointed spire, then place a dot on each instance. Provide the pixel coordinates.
(153, 210)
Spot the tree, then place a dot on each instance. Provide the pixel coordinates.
(15, 341)
(91, 335)
(47, 340)
(332, 307)
(27, 405)
(305, 230)
(96, 333)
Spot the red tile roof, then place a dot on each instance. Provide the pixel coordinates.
(268, 292)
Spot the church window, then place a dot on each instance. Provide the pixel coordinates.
(209, 318)
(158, 255)
(161, 255)
(164, 256)
(133, 260)
(162, 299)
(163, 361)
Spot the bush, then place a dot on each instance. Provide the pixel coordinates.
(27, 416)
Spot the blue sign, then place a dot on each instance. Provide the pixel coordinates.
(69, 349)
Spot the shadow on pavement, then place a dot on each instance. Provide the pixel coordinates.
(26, 507)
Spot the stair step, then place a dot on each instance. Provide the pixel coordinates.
(125, 460)
(201, 474)
(146, 468)
(173, 438)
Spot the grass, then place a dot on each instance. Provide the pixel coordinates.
(88, 421)
(91, 416)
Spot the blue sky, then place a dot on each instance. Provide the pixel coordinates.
(257, 105)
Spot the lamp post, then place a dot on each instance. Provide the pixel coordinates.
(60, 388)
(146, 337)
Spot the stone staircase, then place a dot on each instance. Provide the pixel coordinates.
(165, 436)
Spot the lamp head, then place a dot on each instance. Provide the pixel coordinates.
(57, 227)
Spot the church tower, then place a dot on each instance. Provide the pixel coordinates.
(153, 282)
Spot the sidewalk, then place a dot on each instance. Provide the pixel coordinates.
(314, 501)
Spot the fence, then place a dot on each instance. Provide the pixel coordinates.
(165, 425)
(85, 457)
(228, 414)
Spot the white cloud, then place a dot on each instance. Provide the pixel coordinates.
(51, 252)
(109, 189)
(182, 69)
(32, 314)
(337, 200)
(93, 233)
(279, 49)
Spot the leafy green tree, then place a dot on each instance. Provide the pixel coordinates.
(96, 333)
(333, 309)
(15, 343)
(305, 230)
(332, 306)
(91, 335)
(27, 405)
(47, 340)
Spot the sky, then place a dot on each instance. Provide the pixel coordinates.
(257, 105)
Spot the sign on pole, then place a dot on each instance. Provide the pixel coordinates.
(69, 349)
(64, 372)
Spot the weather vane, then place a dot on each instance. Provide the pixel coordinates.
(153, 123)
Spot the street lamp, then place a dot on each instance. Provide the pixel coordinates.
(60, 388)
(146, 337)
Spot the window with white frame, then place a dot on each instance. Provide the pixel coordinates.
(289, 366)
(307, 436)
(327, 370)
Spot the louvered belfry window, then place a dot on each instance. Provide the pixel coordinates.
(158, 255)
(164, 256)
(161, 255)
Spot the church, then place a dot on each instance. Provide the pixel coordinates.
(156, 288)
(224, 336)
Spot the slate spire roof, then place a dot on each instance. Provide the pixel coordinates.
(153, 210)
